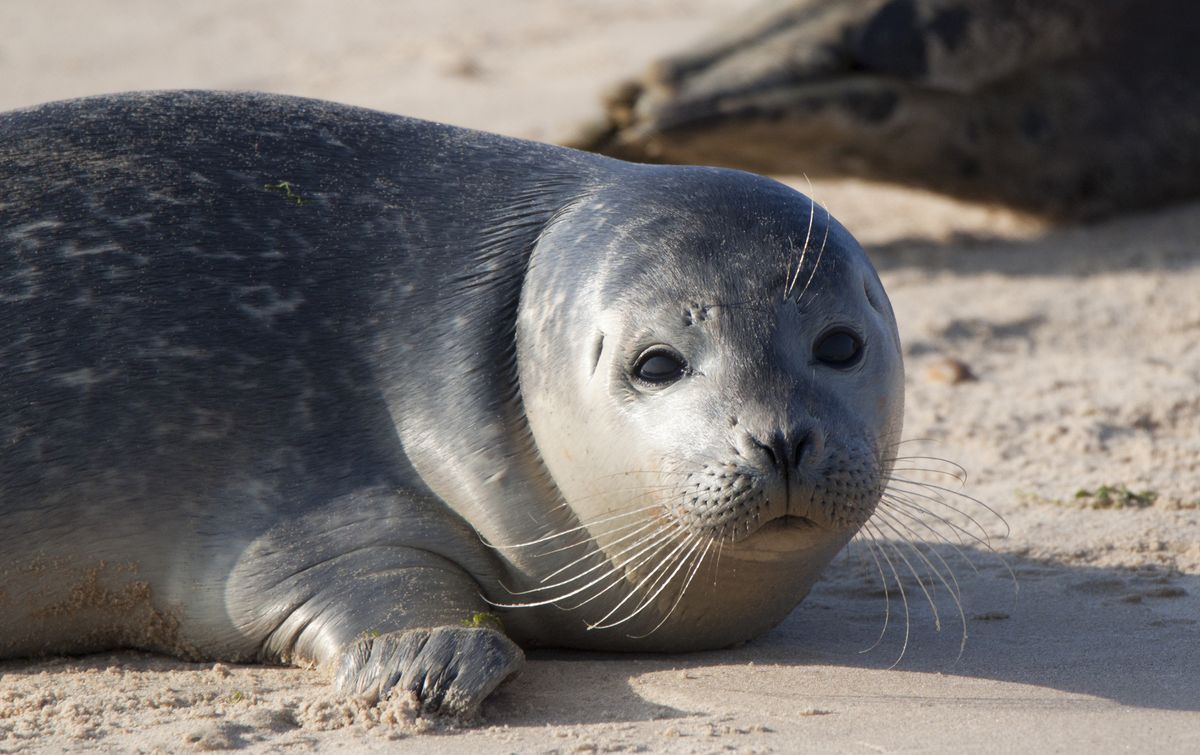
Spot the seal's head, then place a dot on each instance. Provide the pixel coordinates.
(709, 365)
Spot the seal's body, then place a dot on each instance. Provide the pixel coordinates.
(293, 381)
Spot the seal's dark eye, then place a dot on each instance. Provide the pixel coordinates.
(659, 366)
(838, 348)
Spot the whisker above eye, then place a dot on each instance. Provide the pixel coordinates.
(812, 214)
(817, 264)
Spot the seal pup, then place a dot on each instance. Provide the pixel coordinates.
(297, 382)
(1067, 108)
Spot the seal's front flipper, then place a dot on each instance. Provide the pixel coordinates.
(400, 618)
(450, 670)
(384, 589)
(390, 618)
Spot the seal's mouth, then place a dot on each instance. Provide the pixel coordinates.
(784, 536)
(789, 522)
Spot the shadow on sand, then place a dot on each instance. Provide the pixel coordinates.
(1124, 635)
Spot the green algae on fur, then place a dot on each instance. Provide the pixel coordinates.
(482, 619)
(286, 188)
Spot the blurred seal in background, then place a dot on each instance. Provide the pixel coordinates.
(1068, 108)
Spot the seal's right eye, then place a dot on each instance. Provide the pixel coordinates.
(838, 348)
(659, 366)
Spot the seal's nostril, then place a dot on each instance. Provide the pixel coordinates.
(800, 447)
(769, 451)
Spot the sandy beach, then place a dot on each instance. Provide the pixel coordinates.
(1077, 423)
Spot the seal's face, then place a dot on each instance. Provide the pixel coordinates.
(739, 388)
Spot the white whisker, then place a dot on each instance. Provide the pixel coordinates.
(632, 569)
(668, 535)
(960, 470)
(817, 264)
(955, 593)
(976, 501)
(644, 526)
(879, 540)
(893, 500)
(902, 507)
(555, 535)
(687, 583)
(984, 537)
(887, 598)
(937, 619)
(665, 562)
(812, 213)
(953, 475)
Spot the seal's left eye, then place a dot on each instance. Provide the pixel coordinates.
(659, 367)
(838, 348)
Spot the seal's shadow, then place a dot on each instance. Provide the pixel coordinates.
(1121, 634)
(1125, 635)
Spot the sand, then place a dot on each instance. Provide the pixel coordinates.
(1078, 425)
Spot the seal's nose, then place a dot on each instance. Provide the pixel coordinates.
(780, 450)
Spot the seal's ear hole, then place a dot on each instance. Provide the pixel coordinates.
(597, 349)
(872, 297)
